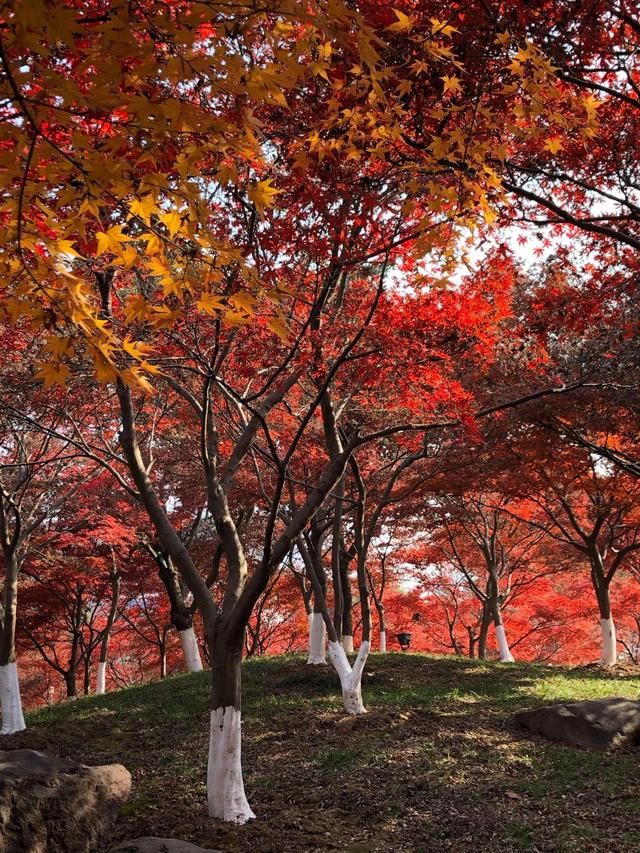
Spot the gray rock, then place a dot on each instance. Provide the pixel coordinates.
(600, 724)
(54, 805)
(149, 844)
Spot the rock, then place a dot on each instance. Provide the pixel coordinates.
(600, 724)
(54, 805)
(149, 844)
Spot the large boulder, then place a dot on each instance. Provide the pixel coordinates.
(600, 724)
(54, 805)
(150, 844)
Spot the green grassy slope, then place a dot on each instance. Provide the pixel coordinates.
(436, 764)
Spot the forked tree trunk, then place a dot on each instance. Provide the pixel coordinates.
(225, 788)
(350, 677)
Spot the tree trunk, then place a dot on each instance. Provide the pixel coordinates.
(347, 607)
(101, 677)
(501, 637)
(190, 649)
(609, 644)
(163, 658)
(12, 717)
(317, 639)
(383, 628)
(350, 677)
(70, 683)
(10, 701)
(472, 642)
(225, 788)
(104, 643)
(503, 645)
(86, 676)
(484, 632)
(181, 617)
(347, 643)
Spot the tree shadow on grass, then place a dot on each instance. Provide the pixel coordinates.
(436, 764)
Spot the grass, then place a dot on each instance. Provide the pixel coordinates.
(436, 764)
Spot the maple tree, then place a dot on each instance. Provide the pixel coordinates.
(592, 509)
(231, 250)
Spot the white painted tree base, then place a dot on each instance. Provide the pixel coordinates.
(190, 650)
(101, 679)
(317, 640)
(12, 717)
(347, 643)
(609, 642)
(350, 677)
(225, 788)
(383, 641)
(503, 646)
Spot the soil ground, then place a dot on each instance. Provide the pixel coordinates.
(437, 764)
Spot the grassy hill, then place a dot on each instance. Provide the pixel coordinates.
(436, 764)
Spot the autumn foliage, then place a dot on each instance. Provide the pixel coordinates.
(320, 321)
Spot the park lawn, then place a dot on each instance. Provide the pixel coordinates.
(436, 764)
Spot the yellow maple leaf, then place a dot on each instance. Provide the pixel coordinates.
(210, 303)
(451, 84)
(553, 145)
(154, 244)
(143, 207)
(65, 247)
(111, 240)
(227, 174)
(128, 256)
(443, 27)
(59, 346)
(173, 222)
(404, 22)
(263, 194)
(53, 373)
(136, 349)
(279, 327)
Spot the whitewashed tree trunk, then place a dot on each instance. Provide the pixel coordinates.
(309, 624)
(101, 678)
(347, 643)
(503, 645)
(317, 639)
(350, 677)
(190, 650)
(383, 641)
(609, 643)
(225, 788)
(12, 717)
